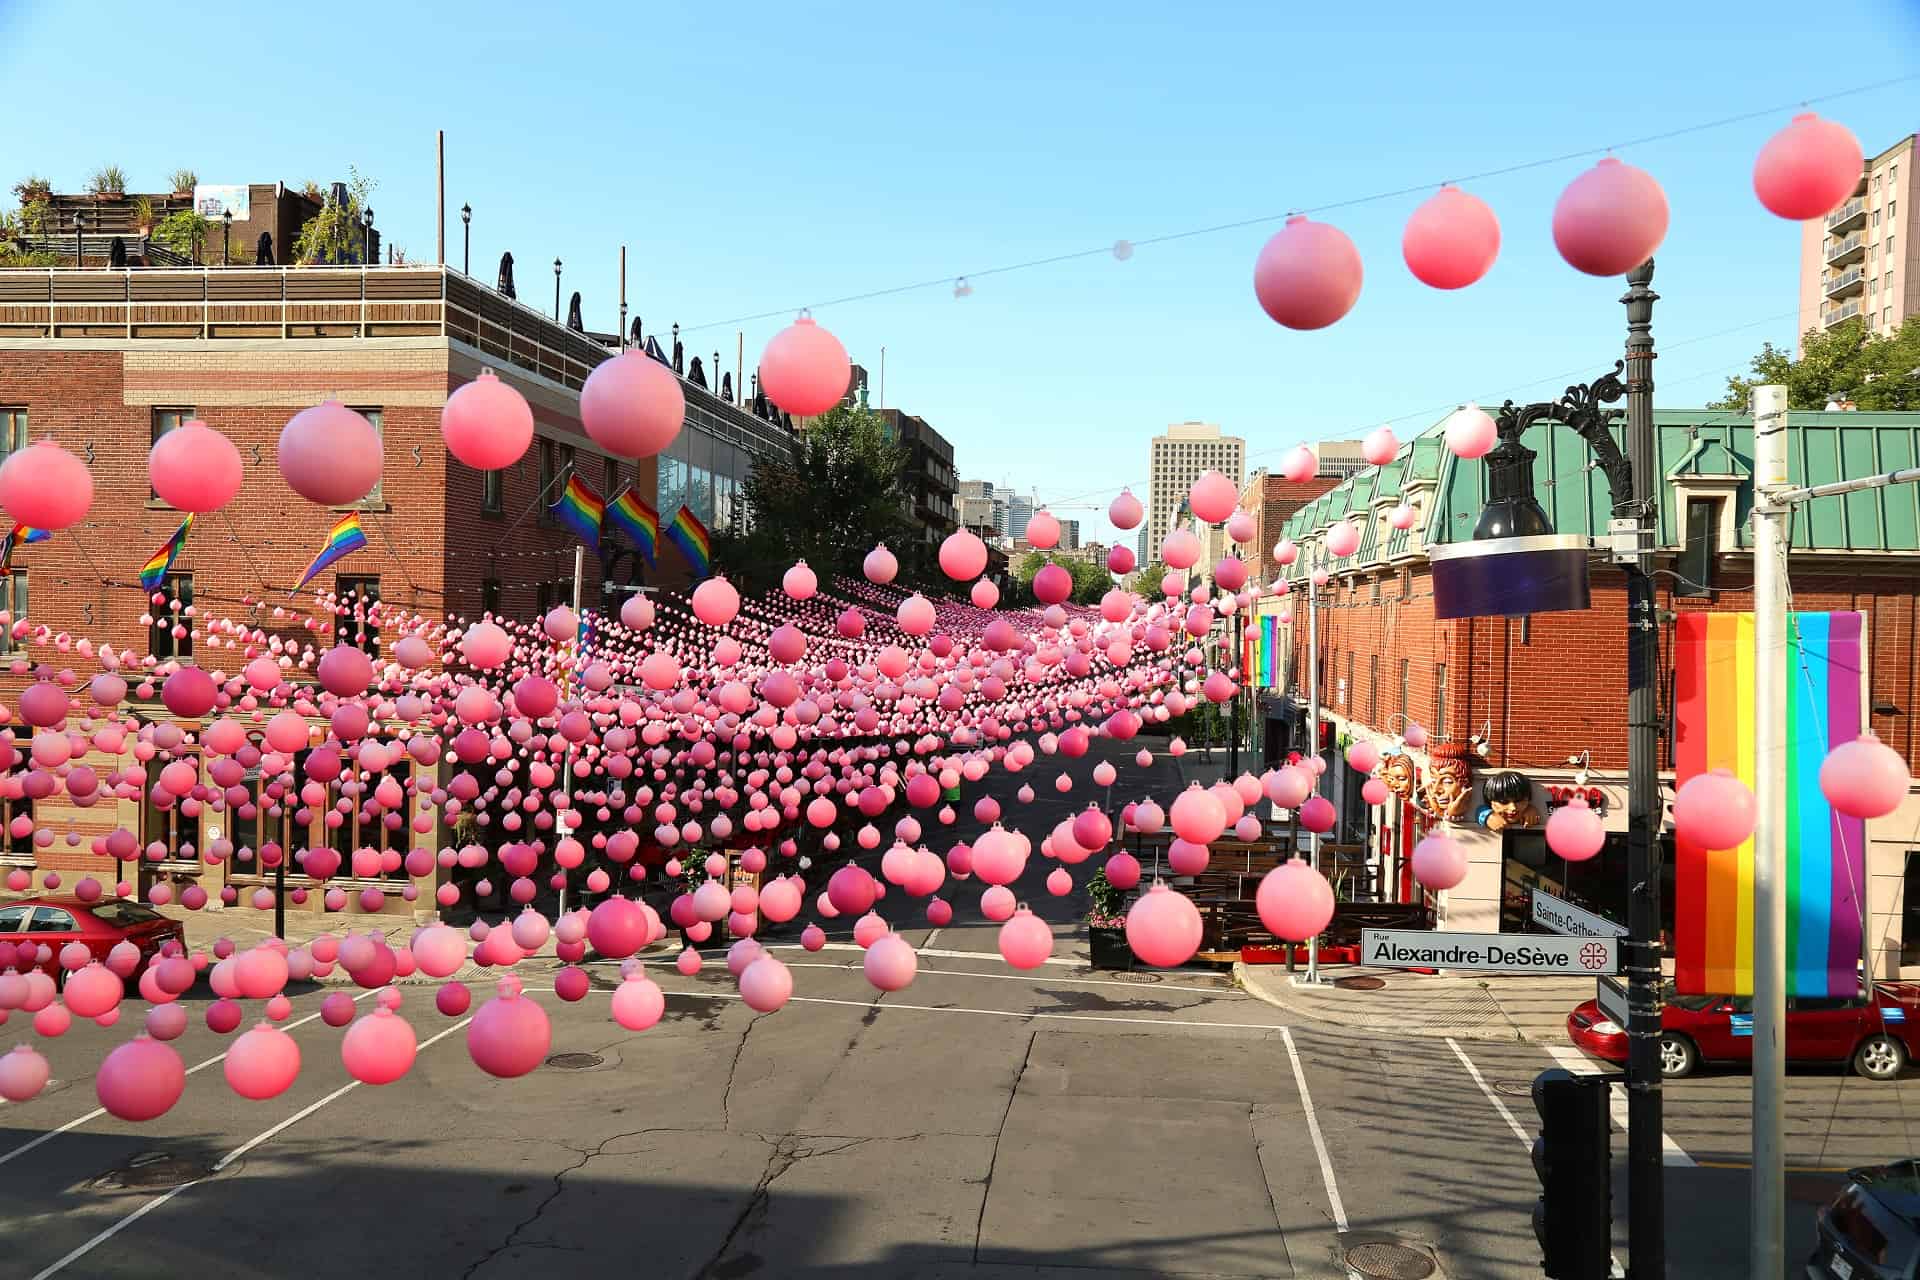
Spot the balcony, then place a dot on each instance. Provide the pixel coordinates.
(1851, 249)
(1848, 216)
(1846, 283)
(1845, 311)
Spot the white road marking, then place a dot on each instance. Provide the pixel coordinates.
(1492, 1097)
(969, 973)
(1671, 1153)
(239, 1151)
(929, 951)
(97, 1112)
(994, 1013)
(1313, 1131)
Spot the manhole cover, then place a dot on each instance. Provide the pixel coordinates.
(1514, 1088)
(1390, 1262)
(574, 1061)
(152, 1171)
(1360, 982)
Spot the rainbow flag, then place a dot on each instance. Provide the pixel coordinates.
(637, 520)
(1824, 868)
(581, 510)
(154, 572)
(22, 534)
(347, 536)
(687, 533)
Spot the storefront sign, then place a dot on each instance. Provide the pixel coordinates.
(1563, 917)
(1502, 952)
(1558, 795)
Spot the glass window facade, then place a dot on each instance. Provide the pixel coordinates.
(703, 470)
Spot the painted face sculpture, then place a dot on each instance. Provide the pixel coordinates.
(1450, 787)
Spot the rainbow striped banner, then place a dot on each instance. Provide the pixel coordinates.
(346, 537)
(581, 510)
(640, 522)
(1825, 863)
(687, 533)
(154, 572)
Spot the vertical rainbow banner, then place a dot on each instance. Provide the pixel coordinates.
(1269, 649)
(1825, 857)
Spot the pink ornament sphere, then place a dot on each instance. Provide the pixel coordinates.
(140, 1080)
(881, 567)
(1343, 539)
(632, 405)
(1053, 584)
(716, 602)
(1714, 810)
(963, 555)
(1295, 902)
(1125, 511)
(1308, 275)
(1380, 446)
(638, 1002)
(1163, 927)
(487, 424)
(330, 455)
(194, 468)
(804, 369)
(45, 487)
(766, 985)
(1610, 219)
(1025, 940)
(1043, 531)
(23, 1074)
(509, 1036)
(1212, 497)
(1808, 169)
(379, 1048)
(1317, 814)
(1575, 832)
(262, 1062)
(1439, 862)
(1471, 432)
(1864, 778)
(1451, 240)
(890, 963)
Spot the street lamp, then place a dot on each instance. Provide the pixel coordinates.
(79, 239)
(366, 236)
(226, 237)
(556, 290)
(466, 237)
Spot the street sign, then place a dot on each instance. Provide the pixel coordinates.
(1563, 917)
(1501, 952)
(1612, 999)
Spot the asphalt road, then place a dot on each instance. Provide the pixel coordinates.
(980, 1123)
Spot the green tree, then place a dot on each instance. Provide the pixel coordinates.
(1090, 581)
(840, 496)
(1145, 581)
(181, 231)
(1846, 363)
(337, 233)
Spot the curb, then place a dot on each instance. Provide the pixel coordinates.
(1327, 1015)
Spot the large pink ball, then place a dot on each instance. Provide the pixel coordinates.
(1317, 814)
(998, 857)
(984, 594)
(1197, 816)
(1343, 539)
(262, 1062)
(194, 468)
(1471, 432)
(963, 555)
(1025, 940)
(189, 692)
(1123, 870)
(1864, 778)
(1043, 531)
(1308, 275)
(851, 890)
(45, 487)
(618, 927)
(140, 1080)
(636, 612)
(1181, 549)
(1575, 831)
(632, 405)
(804, 369)
(1163, 928)
(486, 644)
(93, 991)
(378, 1048)
(1299, 464)
(1451, 240)
(1380, 446)
(438, 950)
(1808, 169)
(890, 963)
(23, 1074)
(638, 1002)
(509, 1036)
(330, 455)
(345, 670)
(766, 985)
(716, 602)
(1439, 862)
(260, 972)
(1610, 219)
(800, 582)
(1295, 902)
(1212, 497)
(1125, 511)
(487, 424)
(1053, 584)
(1714, 810)
(916, 615)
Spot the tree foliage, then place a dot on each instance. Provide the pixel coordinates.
(840, 496)
(1847, 363)
(1090, 581)
(337, 234)
(1145, 581)
(181, 230)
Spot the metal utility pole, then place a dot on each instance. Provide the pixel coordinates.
(440, 197)
(621, 332)
(1233, 714)
(560, 829)
(1646, 1203)
(1313, 750)
(1769, 829)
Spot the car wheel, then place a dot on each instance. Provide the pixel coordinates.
(1678, 1056)
(1880, 1058)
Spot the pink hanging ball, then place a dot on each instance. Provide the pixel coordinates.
(1363, 757)
(1374, 791)
(23, 1074)
(262, 1063)
(716, 602)
(1864, 778)
(963, 555)
(813, 937)
(140, 1080)
(890, 963)
(638, 1002)
(1471, 432)
(804, 369)
(1808, 169)
(194, 468)
(1380, 446)
(1053, 584)
(1212, 497)
(1043, 532)
(632, 405)
(1163, 927)
(487, 424)
(453, 999)
(509, 1036)
(1610, 219)
(1451, 240)
(1439, 862)
(1125, 511)
(1401, 517)
(378, 1048)
(1025, 940)
(1294, 901)
(1299, 464)
(1317, 814)
(1575, 831)
(45, 487)
(984, 595)
(766, 985)
(1123, 871)
(1059, 883)
(881, 567)
(330, 455)
(1714, 810)
(1308, 275)
(1343, 539)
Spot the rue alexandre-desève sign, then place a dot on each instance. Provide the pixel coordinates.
(1504, 952)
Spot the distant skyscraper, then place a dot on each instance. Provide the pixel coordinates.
(1069, 535)
(1341, 458)
(1178, 458)
(1019, 511)
(1862, 259)
(977, 506)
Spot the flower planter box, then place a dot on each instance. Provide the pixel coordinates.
(1109, 948)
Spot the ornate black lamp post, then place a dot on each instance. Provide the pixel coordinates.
(226, 237)
(79, 238)
(556, 289)
(366, 236)
(466, 237)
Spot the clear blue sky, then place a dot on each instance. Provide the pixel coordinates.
(757, 157)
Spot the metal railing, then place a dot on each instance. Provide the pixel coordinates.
(1854, 208)
(1845, 311)
(1834, 286)
(1855, 243)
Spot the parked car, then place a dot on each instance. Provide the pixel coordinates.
(1877, 1032)
(101, 925)
(1871, 1230)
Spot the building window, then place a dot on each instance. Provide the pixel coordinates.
(169, 615)
(16, 849)
(610, 478)
(489, 595)
(1406, 667)
(1440, 699)
(13, 599)
(1598, 884)
(164, 420)
(13, 430)
(1350, 691)
(1406, 587)
(1696, 556)
(356, 624)
(165, 824)
(492, 493)
(374, 496)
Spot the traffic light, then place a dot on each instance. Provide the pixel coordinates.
(1573, 1155)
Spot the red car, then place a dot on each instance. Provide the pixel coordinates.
(101, 925)
(1877, 1034)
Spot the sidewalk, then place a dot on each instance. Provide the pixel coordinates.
(1464, 1005)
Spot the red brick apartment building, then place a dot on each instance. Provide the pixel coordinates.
(1537, 692)
(105, 362)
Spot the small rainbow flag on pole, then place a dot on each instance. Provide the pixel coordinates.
(688, 534)
(637, 520)
(347, 536)
(21, 535)
(581, 510)
(154, 572)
